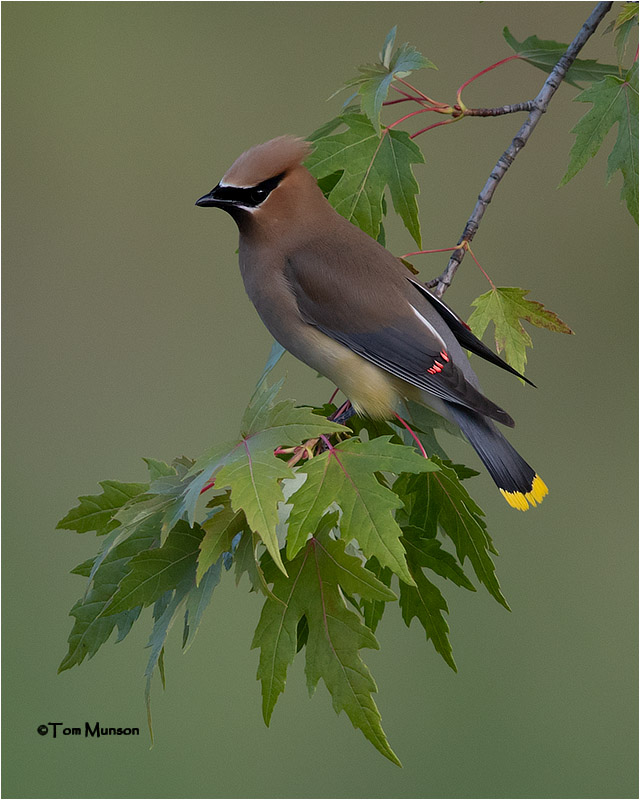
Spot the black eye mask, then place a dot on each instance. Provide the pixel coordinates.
(250, 197)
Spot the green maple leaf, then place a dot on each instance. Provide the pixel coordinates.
(93, 624)
(374, 80)
(197, 602)
(628, 12)
(165, 613)
(624, 23)
(163, 502)
(219, 531)
(255, 482)
(250, 468)
(125, 621)
(372, 610)
(334, 633)
(615, 100)
(84, 568)
(346, 475)
(425, 602)
(429, 553)
(155, 572)
(545, 54)
(136, 514)
(368, 161)
(441, 502)
(462, 471)
(247, 563)
(375, 428)
(170, 493)
(276, 353)
(425, 423)
(327, 128)
(158, 469)
(506, 307)
(96, 512)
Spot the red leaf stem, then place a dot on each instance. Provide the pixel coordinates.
(412, 114)
(435, 125)
(470, 251)
(330, 447)
(426, 252)
(483, 72)
(401, 100)
(413, 435)
(421, 94)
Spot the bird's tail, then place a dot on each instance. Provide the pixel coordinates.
(519, 483)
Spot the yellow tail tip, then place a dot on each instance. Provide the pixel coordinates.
(521, 500)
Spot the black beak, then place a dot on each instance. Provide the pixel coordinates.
(230, 198)
(209, 200)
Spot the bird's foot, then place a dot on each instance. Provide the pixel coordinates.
(316, 445)
(343, 414)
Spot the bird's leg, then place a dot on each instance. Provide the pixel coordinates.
(344, 413)
(307, 450)
(340, 415)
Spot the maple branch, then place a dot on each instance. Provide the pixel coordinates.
(528, 105)
(540, 104)
(456, 113)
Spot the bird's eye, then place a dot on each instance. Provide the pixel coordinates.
(258, 194)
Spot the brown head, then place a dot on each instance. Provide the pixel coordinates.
(266, 184)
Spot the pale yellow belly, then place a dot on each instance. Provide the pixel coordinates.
(372, 391)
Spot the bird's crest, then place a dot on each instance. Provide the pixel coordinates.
(266, 161)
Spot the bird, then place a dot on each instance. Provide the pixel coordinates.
(339, 301)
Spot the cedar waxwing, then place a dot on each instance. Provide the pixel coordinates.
(343, 304)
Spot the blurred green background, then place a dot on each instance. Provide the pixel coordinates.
(128, 334)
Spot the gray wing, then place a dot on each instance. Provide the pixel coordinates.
(395, 335)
